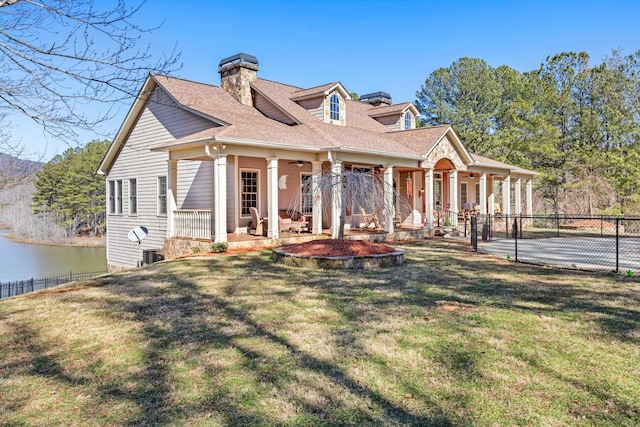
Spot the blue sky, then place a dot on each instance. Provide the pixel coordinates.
(370, 45)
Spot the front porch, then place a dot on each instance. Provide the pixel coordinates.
(237, 241)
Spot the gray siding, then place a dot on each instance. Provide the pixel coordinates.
(392, 122)
(269, 110)
(314, 106)
(159, 122)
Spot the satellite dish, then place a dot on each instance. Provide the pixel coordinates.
(137, 234)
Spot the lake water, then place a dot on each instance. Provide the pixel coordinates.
(21, 261)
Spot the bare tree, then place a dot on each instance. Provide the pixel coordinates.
(58, 56)
(355, 190)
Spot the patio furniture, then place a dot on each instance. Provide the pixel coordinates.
(256, 226)
(369, 219)
(293, 221)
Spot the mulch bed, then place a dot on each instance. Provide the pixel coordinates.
(334, 247)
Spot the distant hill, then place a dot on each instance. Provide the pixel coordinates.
(14, 170)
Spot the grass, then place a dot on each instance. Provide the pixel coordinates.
(451, 338)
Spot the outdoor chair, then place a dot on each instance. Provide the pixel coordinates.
(369, 219)
(256, 225)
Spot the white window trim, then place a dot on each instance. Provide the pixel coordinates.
(111, 197)
(129, 204)
(257, 171)
(466, 191)
(166, 204)
(340, 108)
(119, 196)
(302, 175)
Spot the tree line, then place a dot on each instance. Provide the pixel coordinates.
(576, 124)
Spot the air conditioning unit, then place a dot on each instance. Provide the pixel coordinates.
(149, 256)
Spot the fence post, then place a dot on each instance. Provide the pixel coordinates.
(515, 236)
(474, 233)
(617, 244)
(557, 225)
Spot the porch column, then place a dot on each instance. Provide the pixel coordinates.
(172, 193)
(388, 199)
(316, 222)
(453, 191)
(518, 196)
(428, 193)
(220, 197)
(336, 209)
(506, 196)
(491, 199)
(273, 227)
(416, 212)
(530, 197)
(483, 194)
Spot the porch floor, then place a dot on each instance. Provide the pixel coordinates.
(249, 241)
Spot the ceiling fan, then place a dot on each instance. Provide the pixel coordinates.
(299, 163)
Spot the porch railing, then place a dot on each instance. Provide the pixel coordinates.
(193, 223)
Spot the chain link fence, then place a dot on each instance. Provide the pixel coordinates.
(602, 243)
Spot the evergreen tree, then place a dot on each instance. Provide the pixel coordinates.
(69, 187)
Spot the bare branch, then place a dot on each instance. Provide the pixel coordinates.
(59, 56)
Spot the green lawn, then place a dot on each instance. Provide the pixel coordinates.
(451, 338)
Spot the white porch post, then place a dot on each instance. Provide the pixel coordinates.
(316, 168)
(273, 226)
(530, 197)
(483, 194)
(220, 197)
(506, 196)
(491, 199)
(416, 214)
(453, 191)
(336, 209)
(518, 196)
(172, 193)
(428, 193)
(388, 199)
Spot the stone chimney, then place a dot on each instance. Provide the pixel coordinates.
(236, 74)
(376, 99)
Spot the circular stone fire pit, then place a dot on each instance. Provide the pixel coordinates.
(334, 254)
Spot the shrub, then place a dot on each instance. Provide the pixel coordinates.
(196, 249)
(219, 247)
(447, 222)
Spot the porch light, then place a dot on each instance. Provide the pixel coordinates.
(421, 192)
(299, 163)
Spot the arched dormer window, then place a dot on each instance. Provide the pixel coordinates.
(334, 107)
(407, 120)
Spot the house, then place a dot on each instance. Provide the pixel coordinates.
(191, 159)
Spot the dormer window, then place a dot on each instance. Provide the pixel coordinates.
(334, 107)
(407, 120)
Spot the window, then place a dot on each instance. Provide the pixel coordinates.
(133, 197)
(112, 197)
(437, 190)
(162, 195)
(248, 192)
(407, 120)
(115, 197)
(334, 106)
(463, 193)
(306, 194)
(477, 193)
(119, 197)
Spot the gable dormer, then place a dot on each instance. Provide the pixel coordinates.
(327, 102)
(394, 116)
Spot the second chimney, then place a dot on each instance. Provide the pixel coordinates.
(236, 74)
